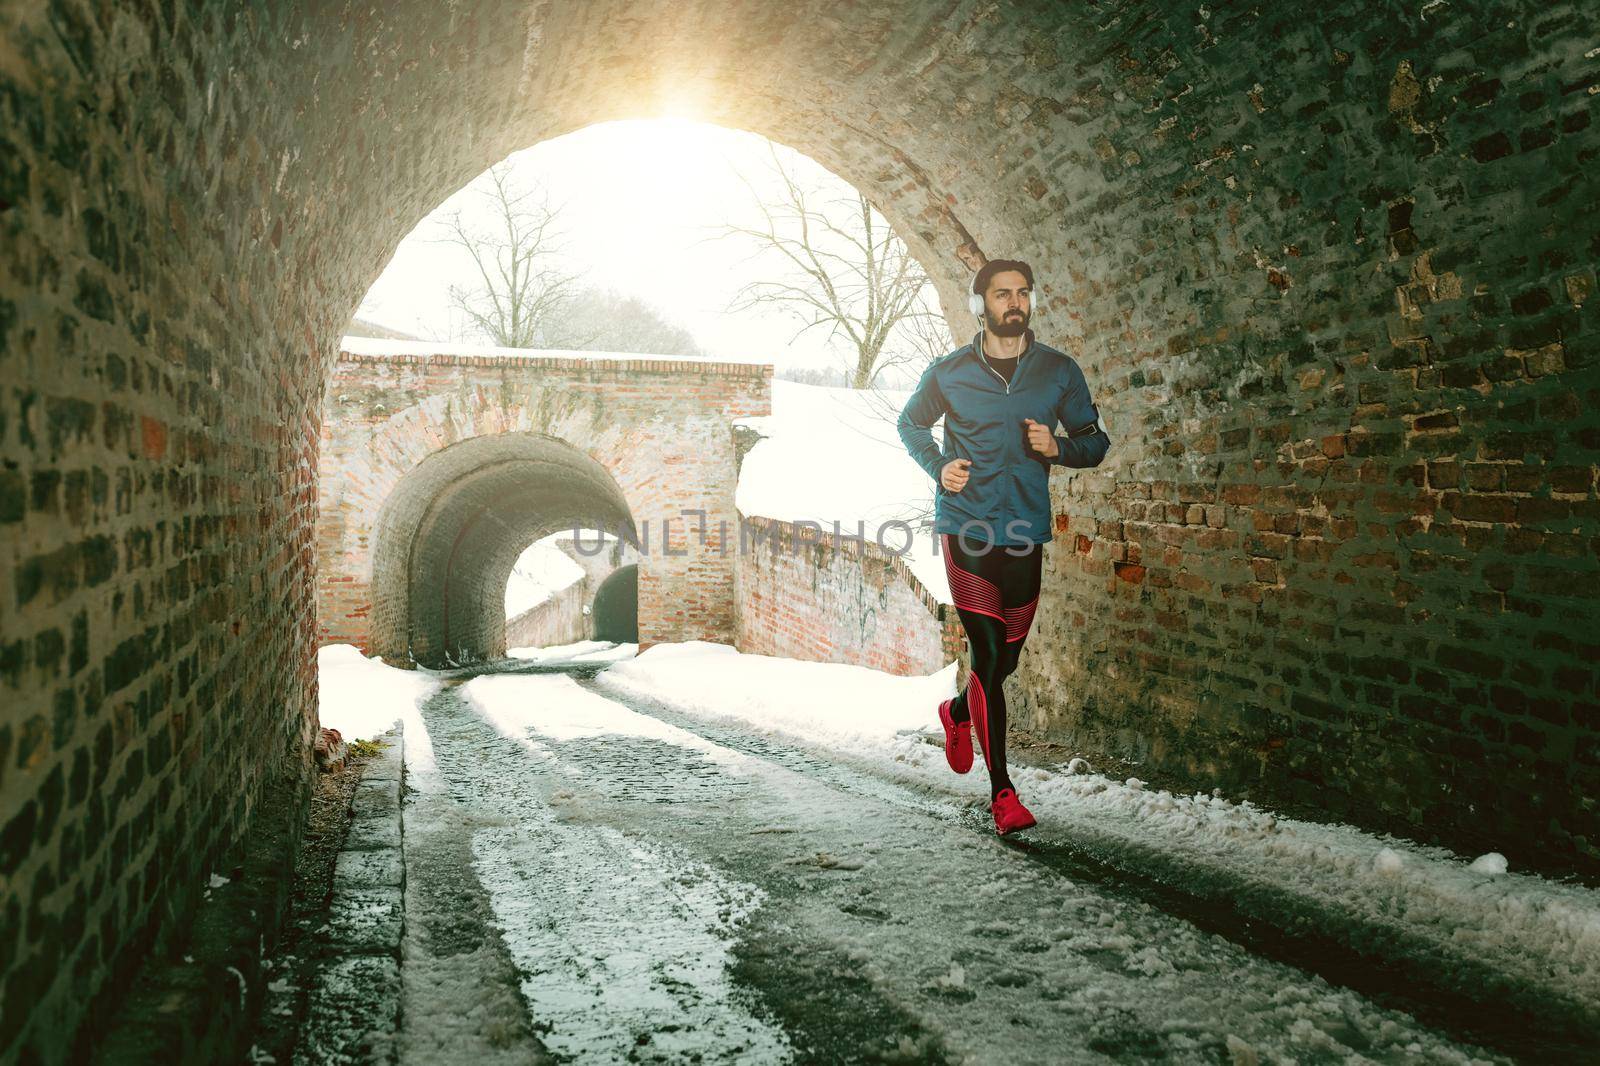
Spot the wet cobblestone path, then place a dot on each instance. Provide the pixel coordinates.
(596, 880)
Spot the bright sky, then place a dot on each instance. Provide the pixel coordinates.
(640, 202)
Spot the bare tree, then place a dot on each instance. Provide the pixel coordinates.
(848, 272)
(521, 284)
(603, 320)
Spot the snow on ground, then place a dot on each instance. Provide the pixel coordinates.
(583, 651)
(622, 914)
(594, 981)
(834, 706)
(613, 936)
(541, 571)
(1525, 927)
(363, 698)
(835, 455)
(552, 706)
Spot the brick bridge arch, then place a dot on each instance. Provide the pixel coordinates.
(438, 468)
(1330, 270)
(452, 529)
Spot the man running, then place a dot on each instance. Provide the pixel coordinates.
(1000, 397)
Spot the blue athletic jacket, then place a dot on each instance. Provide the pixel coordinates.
(1007, 496)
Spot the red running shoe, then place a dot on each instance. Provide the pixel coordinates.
(957, 739)
(1009, 813)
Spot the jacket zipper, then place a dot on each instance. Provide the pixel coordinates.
(996, 373)
(984, 359)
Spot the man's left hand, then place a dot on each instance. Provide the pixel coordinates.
(1041, 439)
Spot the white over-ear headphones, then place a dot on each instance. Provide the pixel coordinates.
(975, 302)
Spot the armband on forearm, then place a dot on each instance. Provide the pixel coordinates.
(1089, 428)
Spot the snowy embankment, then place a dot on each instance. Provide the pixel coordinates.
(539, 573)
(834, 455)
(582, 651)
(1464, 924)
(363, 698)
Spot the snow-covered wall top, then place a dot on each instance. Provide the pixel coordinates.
(454, 351)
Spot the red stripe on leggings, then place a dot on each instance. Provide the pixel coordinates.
(969, 591)
(978, 707)
(1018, 619)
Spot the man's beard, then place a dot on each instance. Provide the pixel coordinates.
(1009, 325)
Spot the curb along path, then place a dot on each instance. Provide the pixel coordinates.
(354, 1002)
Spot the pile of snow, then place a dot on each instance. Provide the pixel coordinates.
(540, 572)
(363, 698)
(1538, 934)
(834, 455)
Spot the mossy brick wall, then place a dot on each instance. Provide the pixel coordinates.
(1335, 276)
(438, 469)
(157, 493)
(1330, 269)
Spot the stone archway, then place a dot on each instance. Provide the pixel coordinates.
(1328, 273)
(453, 527)
(403, 431)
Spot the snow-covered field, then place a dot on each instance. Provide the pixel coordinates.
(835, 455)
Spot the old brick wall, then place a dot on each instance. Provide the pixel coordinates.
(1333, 276)
(1330, 268)
(805, 594)
(439, 468)
(557, 620)
(157, 497)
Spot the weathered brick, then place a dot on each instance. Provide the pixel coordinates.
(1132, 573)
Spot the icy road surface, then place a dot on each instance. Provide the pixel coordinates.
(651, 894)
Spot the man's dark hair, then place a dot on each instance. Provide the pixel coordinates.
(980, 284)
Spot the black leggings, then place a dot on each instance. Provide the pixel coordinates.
(995, 592)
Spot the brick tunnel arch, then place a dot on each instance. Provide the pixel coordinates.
(453, 527)
(1331, 273)
(659, 428)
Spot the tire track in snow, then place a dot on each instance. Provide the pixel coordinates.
(622, 947)
(1073, 960)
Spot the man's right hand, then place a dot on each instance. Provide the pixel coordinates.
(954, 475)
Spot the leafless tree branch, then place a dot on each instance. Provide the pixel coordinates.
(521, 286)
(847, 272)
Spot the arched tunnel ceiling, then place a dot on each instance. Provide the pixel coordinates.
(927, 112)
(1275, 241)
(1331, 269)
(454, 526)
